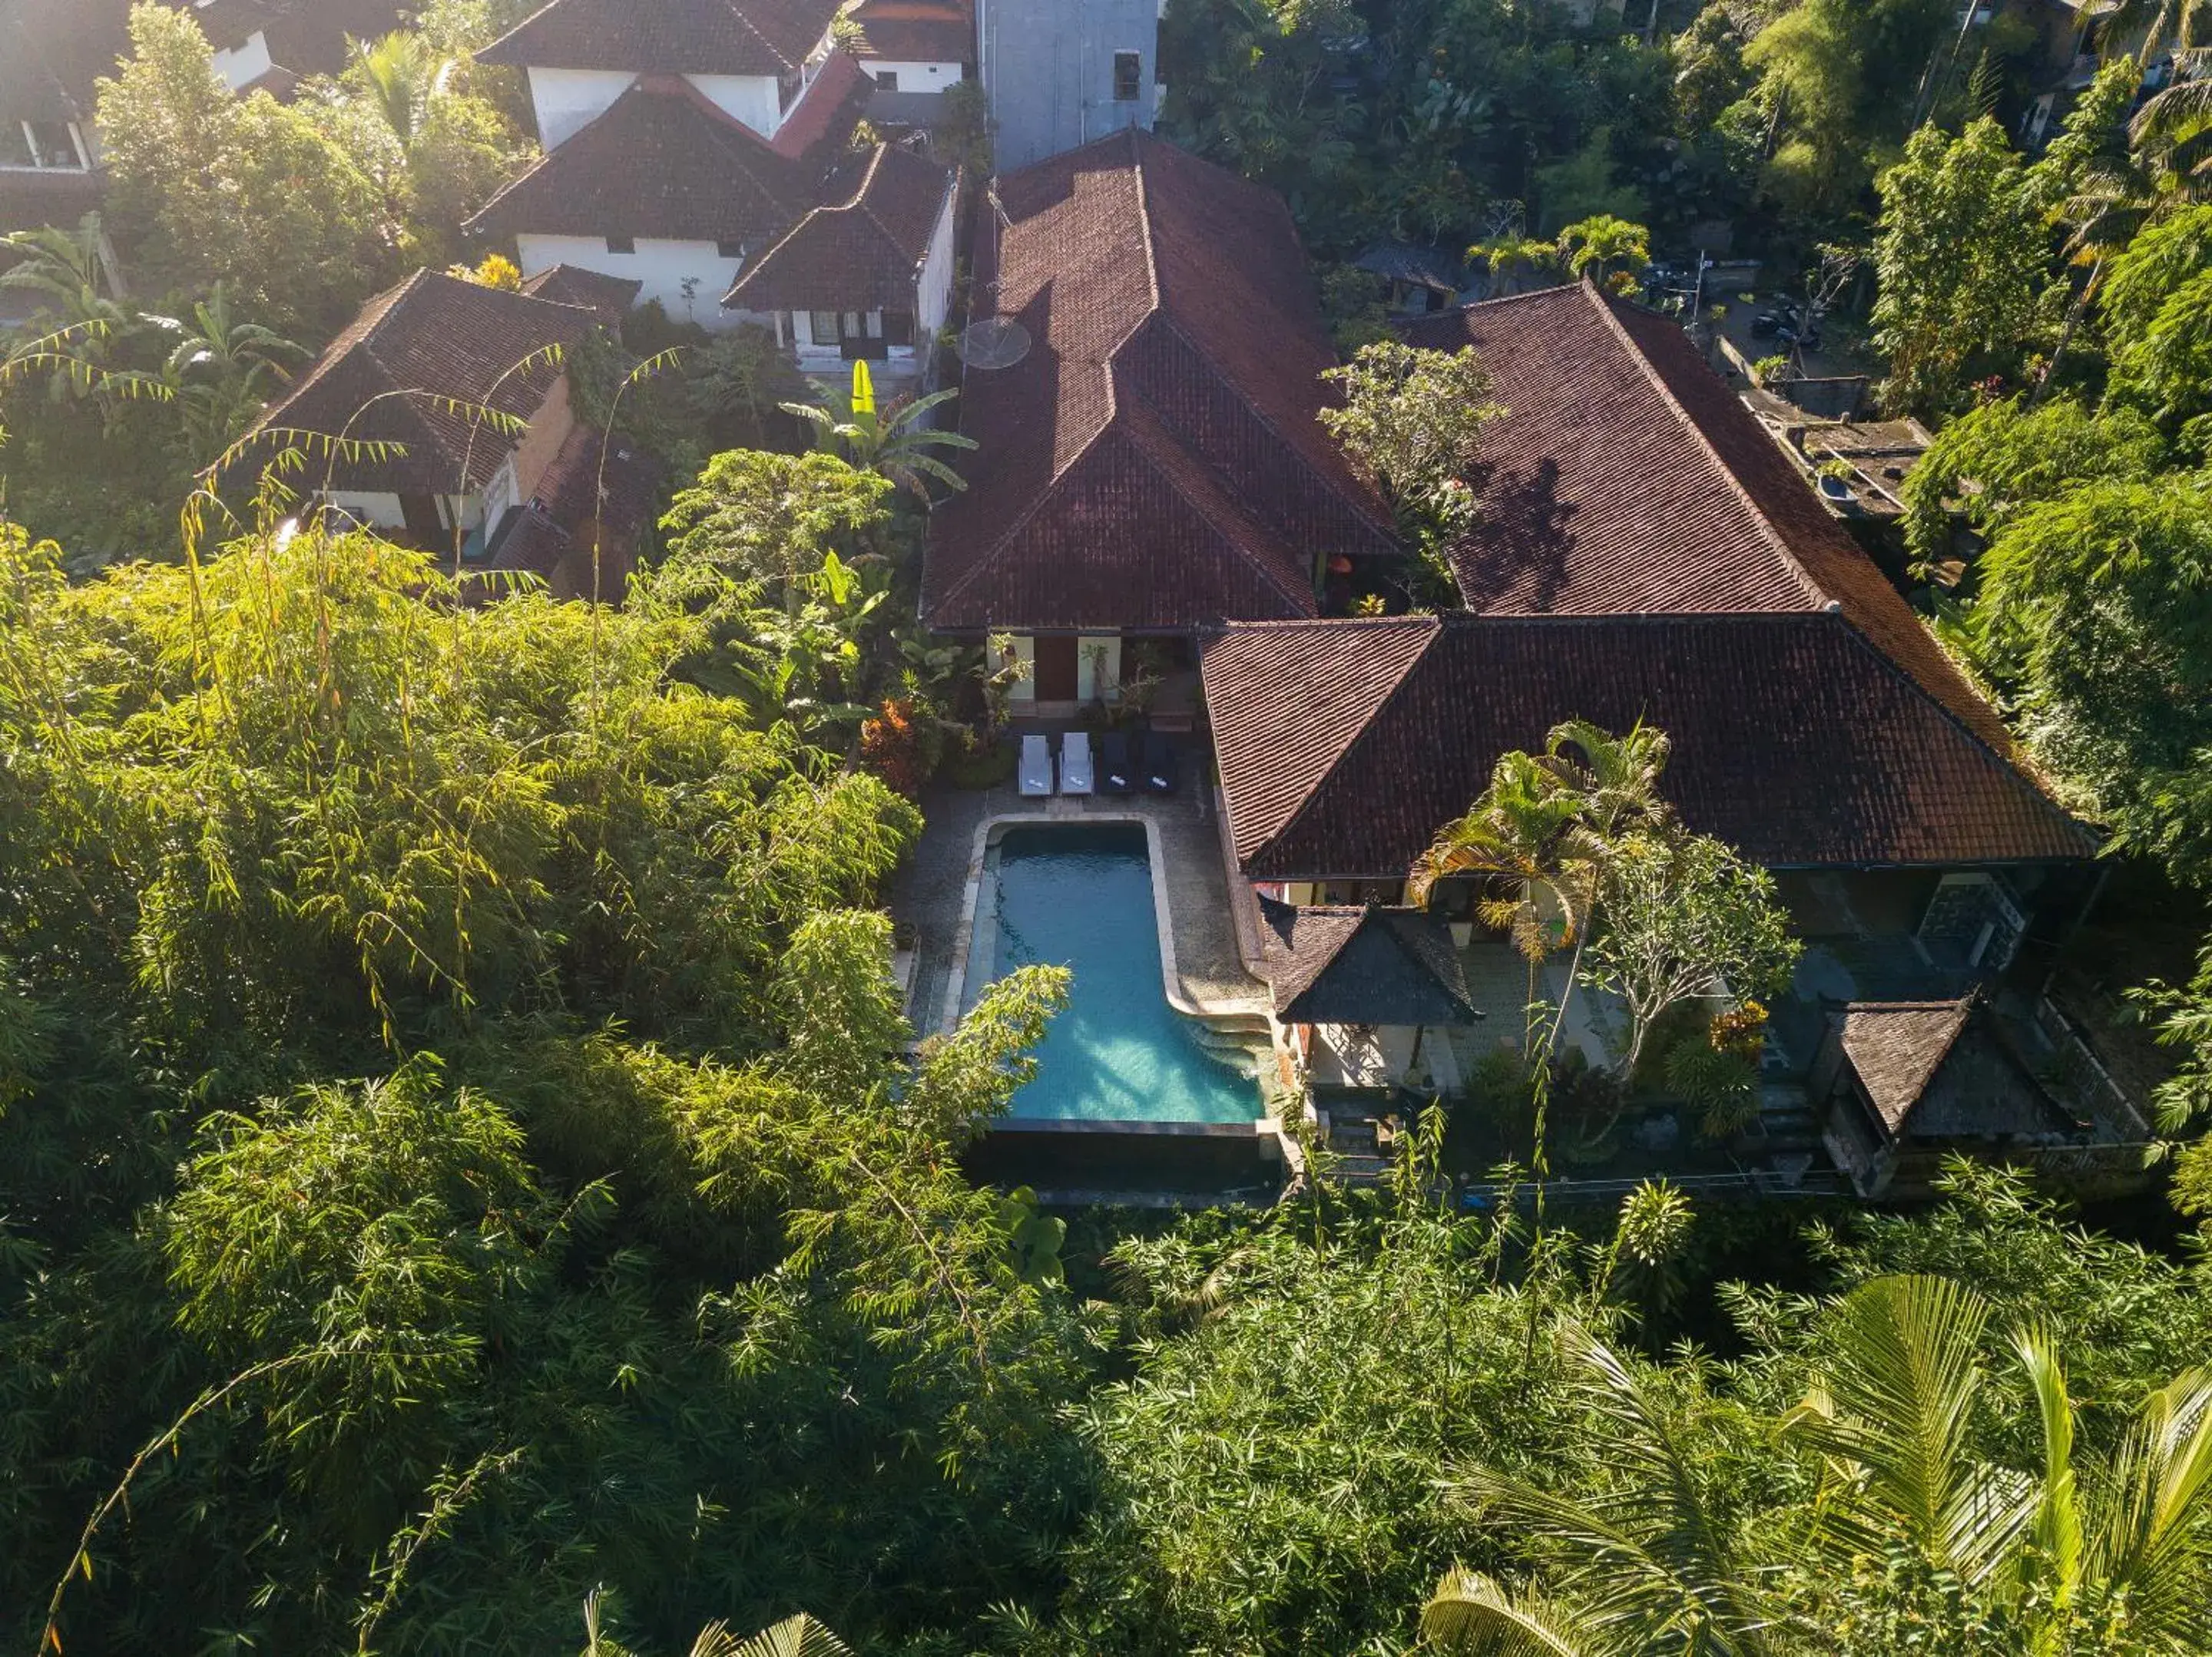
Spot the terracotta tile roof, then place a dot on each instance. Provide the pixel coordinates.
(612, 297)
(820, 127)
(1627, 478)
(588, 484)
(1362, 964)
(52, 51)
(863, 248)
(667, 37)
(1154, 460)
(442, 340)
(916, 31)
(661, 162)
(1344, 746)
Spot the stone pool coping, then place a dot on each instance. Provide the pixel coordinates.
(964, 936)
(991, 828)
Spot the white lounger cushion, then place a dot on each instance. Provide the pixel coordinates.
(1036, 766)
(1075, 776)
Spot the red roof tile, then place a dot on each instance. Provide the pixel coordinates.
(661, 162)
(916, 31)
(1625, 477)
(395, 374)
(826, 114)
(1344, 746)
(667, 37)
(862, 249)
(1153, 462)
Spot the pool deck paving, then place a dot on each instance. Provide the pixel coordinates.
(930, 892)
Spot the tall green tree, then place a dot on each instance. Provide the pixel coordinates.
(1959, 263)
(2097, 608)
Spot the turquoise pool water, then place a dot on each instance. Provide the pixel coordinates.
(1081, 897)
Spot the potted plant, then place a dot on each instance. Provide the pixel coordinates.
(1835, 476)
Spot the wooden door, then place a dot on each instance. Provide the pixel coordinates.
(426, 525)
(1055, 668)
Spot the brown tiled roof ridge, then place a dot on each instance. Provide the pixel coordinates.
(1163, 317)
(1819, 597)
(1960, 1014)
(1114, 427)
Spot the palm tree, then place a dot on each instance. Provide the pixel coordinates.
(1515, 262)
(1653, 1564)
(899, 445)
(794, 1636)
(1541, 835)
(401, 75)
(1593, 245)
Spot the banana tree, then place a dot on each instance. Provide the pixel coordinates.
(898, 443)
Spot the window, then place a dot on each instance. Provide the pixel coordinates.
(1129, 75)
(729, 250)
(822, 325)
(898, 327)
(52, 144)
(788, 88)
(887, 80)
(622, 244)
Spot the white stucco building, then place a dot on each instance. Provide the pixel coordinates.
(865, 275)
(681, 138)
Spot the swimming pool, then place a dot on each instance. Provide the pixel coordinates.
(1081, 896)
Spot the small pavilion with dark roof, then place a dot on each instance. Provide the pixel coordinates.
(1359, 988)
(1905, 1083)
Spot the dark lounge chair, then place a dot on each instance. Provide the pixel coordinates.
(1117, 772)
(1162, 765)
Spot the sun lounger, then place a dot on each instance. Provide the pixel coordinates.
(1036, 766)
(1161, 767)
(1117, 774)
(1075, 776)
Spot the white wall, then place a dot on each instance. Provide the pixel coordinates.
(747, 98)
(569, 99)
(242, 66)
(934, 299)
(1089, 684)
(1024, 649)
(662, 266)
(915, 77)
(381, 510)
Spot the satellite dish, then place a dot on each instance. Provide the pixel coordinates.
(993, 343)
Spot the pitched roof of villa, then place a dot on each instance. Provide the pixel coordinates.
(861, 249)
(1345, 745)
(1625, 478)
(667, 37)
(1153, 461)
(916, 31)
(395, 375)
(611, 296)
(1362, 964)
(661, 162)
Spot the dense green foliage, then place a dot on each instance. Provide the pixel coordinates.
(1455, 121)
(585, 1277)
